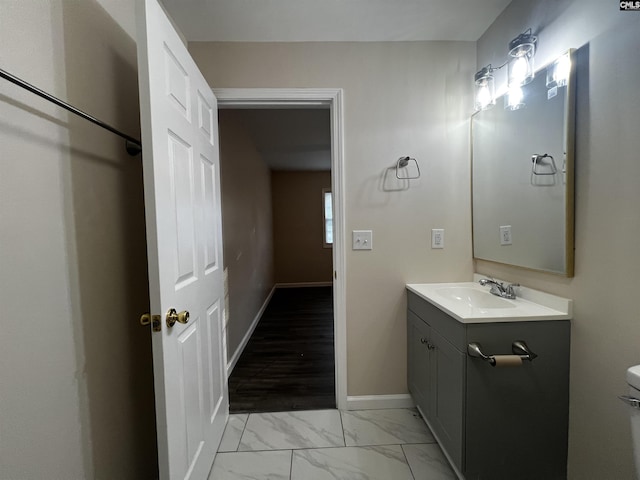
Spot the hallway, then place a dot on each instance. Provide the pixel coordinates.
(289, 362)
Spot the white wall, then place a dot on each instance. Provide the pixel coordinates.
(76, 398)
(606, 325)
(399, 99)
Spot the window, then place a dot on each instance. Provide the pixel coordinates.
(327, 203)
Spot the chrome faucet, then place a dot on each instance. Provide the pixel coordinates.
(499, 289)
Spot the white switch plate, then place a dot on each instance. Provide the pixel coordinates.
(362, 240)
(505, 235)
(437, 238)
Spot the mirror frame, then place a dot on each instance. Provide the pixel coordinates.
(569, 194)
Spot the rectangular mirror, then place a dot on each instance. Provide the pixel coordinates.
(523, 175)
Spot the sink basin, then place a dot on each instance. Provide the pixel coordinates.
(474, 297)
(469, 302)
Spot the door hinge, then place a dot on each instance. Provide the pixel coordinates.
(154, 320)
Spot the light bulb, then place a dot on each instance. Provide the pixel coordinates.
(513, 100)
(519, 70)
(562, 70)
(484, 97)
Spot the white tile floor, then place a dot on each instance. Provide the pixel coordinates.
(330, 444)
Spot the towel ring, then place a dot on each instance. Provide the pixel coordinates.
(536, 161)
(402, 163)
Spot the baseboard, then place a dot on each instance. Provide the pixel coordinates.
(375, 402)
(236, 355)
(303, 284)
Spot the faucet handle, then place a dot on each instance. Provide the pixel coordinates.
(509, 290)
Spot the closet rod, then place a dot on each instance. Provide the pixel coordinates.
(133, 146)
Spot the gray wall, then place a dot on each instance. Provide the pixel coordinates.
(247, 226)
(76, 395)
(606, 327)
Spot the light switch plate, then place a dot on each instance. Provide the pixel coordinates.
(437, 238)
(362, 240)
(505, 235)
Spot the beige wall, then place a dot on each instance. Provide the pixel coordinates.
(399, 99)
(606, 325)
(298, 230)
(247, 225)
(76, 395)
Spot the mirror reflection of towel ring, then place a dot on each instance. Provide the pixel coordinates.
(536, 161)
(404, 162)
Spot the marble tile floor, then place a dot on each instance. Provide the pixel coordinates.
(392, 444)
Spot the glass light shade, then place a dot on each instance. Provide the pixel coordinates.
(520, 67)
(484, 90)
(558, 72)
(514, 99)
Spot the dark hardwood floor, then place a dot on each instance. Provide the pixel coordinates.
(289, 362)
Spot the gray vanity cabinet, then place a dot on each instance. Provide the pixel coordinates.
(447, 394)
(419, 361)
(436, 379)
(493, 423)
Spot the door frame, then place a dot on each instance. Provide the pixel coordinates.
(310, 98)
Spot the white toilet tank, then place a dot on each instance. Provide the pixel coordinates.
(633, 379)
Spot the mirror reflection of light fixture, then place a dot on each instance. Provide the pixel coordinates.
(514, 98)
(520, 66)
(484, 89)
(558, 72)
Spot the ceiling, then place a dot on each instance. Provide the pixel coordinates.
(289, 139)
(333, 20)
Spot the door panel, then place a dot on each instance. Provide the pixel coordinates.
(184, 235)
(448, 379)
(191, 394)
(210, 207)
(419, 362)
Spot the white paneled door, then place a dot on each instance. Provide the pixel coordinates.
(184, 236)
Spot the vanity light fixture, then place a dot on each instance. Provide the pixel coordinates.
(558, 72)
(519, 73)
(484, 88)
(520, 66)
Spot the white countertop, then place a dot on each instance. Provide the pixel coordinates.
(529, 305)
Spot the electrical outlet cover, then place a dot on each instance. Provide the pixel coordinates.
(437, 238)
(505, 235)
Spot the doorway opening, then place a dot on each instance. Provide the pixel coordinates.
(281, 175)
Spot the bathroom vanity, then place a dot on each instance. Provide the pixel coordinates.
(492, 422)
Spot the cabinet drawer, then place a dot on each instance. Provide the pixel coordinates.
(447, 326)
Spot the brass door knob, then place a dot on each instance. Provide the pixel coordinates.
(173, 316)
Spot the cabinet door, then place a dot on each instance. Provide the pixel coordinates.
(447, 396)
(418, 334)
